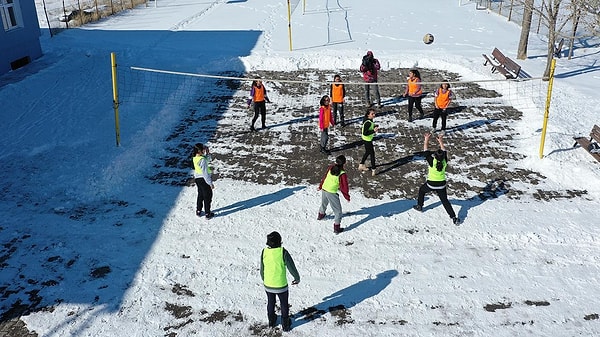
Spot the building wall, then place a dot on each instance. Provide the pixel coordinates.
(23, 41)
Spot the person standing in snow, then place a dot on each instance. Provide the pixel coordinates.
(273, 263)
(368, 131)
(436, 177)
(334, 180)
(258, 96)
(337, 92)
(325, 122)
(369, 68)
(443, 97)
(203, 179)
(413, 92)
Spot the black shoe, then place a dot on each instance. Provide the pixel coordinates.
(418, 208)
(210, 215)
(252, 128)
(272, 321)
(264, 126)
(286, 324)
(410, 119)
(456, 221)
(198, 213)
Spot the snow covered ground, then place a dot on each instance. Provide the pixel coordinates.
(91, 246)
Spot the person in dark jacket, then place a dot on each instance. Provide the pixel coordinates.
(369, 68)
(273, 263)
(436, 177)
(368, 131)
(334, 180)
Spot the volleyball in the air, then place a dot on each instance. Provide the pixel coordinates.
(428, 39)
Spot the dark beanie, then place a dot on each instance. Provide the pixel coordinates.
(274, 240)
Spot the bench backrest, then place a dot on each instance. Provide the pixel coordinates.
(497, 54)
(595, 134)
(512, 66)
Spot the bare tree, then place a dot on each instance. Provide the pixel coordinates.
(552, 11)
(590, 18)
(525, 29)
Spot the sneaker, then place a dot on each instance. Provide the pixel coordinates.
(210, 215)
(286, 324)
(373, 173)
(362, 167)
(198, 213)
(456, 221)
(320, 216)
(418, 208)
(272, 321)
(337, 229)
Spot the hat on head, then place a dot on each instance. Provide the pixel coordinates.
(370, 53)
(274, 240)
(439, 154)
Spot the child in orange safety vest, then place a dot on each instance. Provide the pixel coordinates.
(338, 93)
(443, 97)
(325, 122)
(258, 97)
(414, 92)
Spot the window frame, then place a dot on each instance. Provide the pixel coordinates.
(10, 11)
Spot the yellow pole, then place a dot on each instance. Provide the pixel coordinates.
(547, 109)
(113, 61)
(290, 23)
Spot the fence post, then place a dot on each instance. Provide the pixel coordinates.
(547, 108)
(113, 61)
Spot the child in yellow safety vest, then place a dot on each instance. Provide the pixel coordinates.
(273, 263)
(335, 180)
(203, 178)
(436, 177)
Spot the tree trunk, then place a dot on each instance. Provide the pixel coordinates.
(525, 29)
(573, 33)
(552, 14)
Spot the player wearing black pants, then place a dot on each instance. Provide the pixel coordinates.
(436, 177)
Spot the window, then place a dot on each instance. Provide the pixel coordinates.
(10, 12)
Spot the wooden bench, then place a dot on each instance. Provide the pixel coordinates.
(591, 145)
(502, 64)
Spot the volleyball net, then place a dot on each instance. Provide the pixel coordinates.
(305, 87)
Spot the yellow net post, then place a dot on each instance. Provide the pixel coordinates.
(290, 23)
(547, 109)
(113, 61)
